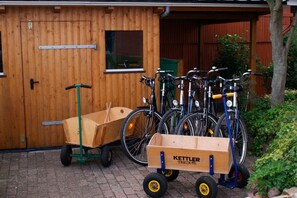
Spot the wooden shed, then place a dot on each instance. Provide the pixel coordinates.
(48, 45)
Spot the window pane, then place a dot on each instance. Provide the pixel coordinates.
(124, 49)
(1, 62)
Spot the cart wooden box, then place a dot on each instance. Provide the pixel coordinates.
(98, 128)
(190, 153)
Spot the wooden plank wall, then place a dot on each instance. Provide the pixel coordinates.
(179, 39)
(12, 120)
(121, 89)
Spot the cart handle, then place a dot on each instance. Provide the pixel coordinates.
(78, 85)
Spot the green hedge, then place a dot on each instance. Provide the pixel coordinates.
(278, 166)
(264, 122)
(274, 137)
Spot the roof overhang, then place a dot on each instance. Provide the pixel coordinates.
(207, 11)
(129, 3)
(292, 2)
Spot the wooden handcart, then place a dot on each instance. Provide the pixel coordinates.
(94, 130)
(171, 153)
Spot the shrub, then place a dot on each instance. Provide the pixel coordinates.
(277, 129)
(278, 167)
(264, 122)
(232, 52)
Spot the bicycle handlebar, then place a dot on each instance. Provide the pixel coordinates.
(195, 71)
(248, 73)
(144, 78)
(215, 69)
(78, 85)
(148, 81)
(176, 78)
(196, 78)
(164, 71)
(159, 71)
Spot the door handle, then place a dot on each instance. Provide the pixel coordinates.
(32, 82)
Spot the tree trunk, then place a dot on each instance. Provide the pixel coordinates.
(279, 53)
(279, 77)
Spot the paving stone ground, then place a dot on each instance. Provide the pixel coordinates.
(41, 174)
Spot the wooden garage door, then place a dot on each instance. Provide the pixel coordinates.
(55, 55)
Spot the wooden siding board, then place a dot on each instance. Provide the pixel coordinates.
(12, 109)
(102, 63)
(66, 64)
(51, 73)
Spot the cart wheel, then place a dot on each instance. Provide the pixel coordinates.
(65, 157)
(155, 185)
(206, 187)
(170, 175)
(243, 175)
(106, 156)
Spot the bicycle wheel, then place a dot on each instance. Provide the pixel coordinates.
(197, 124)
(238, 132)
(169, 121)
(138, 128)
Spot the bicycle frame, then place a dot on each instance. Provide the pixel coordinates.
(164, 92)
(207, 97)
(230, 135)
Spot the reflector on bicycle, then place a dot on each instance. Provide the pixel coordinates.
(131, 125)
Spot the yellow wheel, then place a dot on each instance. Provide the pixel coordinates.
(155, 185)
(206, 187)
(170, 175)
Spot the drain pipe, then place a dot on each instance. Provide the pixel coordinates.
(166, 12)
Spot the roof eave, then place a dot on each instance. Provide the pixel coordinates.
(292, 2)
(129, 4)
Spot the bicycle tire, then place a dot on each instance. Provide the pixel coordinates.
(137, 129)
(169, 121)
(240, 140)
(195, 124)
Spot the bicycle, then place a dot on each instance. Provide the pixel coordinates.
(167, 92)
(172, 117)
(143, 122)
(231, 115)
(202, 122)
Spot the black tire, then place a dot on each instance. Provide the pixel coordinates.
(243, 175)
(138, 128)
(169, 121)
(240, 140)
(170, 175)
(155, 185)
(65, 156)
(206, 187)
(195, 123)
(106, 156)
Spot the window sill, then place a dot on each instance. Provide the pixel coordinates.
(2, 75)
(133, 70)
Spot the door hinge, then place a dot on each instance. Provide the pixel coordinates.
(30, 25)
(23, 138)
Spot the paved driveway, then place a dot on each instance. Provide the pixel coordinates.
(41, 174)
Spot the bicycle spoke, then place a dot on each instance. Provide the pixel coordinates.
(144, 125)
